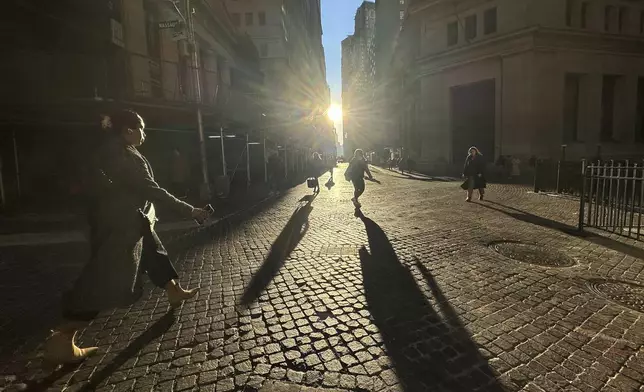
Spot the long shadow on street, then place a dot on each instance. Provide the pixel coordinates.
(285, 243)
(567, 229)
(429, 352)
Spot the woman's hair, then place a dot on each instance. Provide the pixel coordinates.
(122, 119)
(475, 149)
(358, 152)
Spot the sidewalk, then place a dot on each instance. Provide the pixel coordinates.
(65, 228)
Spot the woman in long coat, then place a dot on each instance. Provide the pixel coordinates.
(124, 244)
(474, 173)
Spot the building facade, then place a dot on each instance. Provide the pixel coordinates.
(521, 78)
(358, 75)
(73, 62)
(390, 15)
(288, 36)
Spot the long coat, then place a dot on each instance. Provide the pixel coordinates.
(112, 277)
(471, 170)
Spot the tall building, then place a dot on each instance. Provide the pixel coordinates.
(390, 15)
(521, 78)
(358, 72)
(288, 36)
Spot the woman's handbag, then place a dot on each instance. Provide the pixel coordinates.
(466, 184)
(149, 214)
(312, 182)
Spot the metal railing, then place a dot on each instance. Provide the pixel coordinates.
(612, 197)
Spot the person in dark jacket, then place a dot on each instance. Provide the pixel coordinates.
(355, 173)
(124, 243)
(316, 167)
(474, 173)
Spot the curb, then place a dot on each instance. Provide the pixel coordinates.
(79, 236)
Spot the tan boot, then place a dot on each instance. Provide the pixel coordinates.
(61, 349)
(176, 294)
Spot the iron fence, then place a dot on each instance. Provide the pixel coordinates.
(612, 197)
(558, 176)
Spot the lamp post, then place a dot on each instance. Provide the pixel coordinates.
(205, 192)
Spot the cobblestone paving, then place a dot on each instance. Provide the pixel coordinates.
(411, 296)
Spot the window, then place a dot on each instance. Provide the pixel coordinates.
(470, 27)
(236, 19)
(584, 15)
(452, 33)
(489, 21)
(571, 108)
(402, 15)
(608, 12)
(263, 50)
(402, 2)
(608, 107)
(569, 13)
(261, 18)
(249, 18)
(623, 14)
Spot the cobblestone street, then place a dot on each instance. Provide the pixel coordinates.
(422, 293)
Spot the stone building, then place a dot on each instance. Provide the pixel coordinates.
(69, 63)
(390, 15)
(288, 36)
(520, 78)
(358, 75)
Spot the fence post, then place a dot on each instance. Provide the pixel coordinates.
(536, 176)
(582, 198)
(561, 159)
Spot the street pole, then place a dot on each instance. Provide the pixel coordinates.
(17, 163)
(223, 155)
(205, 188)
(247, 162)
(285, 162)
(264, 158)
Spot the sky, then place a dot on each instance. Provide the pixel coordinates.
(337, 24)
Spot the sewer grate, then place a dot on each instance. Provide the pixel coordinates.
(630, 295)
(532, 254)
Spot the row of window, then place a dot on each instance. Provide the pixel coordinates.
(612, 15)
(249, 18)
(471, 26)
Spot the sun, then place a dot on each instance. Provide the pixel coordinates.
(335, 112)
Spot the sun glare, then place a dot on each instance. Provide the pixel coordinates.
(335, 112)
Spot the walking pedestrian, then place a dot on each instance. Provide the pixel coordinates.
(124, 243)
(315, 170)
(355, 173)
(515, 173)
(474, 173)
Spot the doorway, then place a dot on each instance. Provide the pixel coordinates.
(473, 122)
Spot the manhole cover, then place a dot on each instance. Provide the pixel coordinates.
(630, 295)
(532, 254)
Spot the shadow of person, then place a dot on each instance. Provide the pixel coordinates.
(285, 243)
(427, 351)
(609, 243)
(157, 329)
(309, 198)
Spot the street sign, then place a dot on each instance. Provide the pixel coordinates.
(168, 24)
